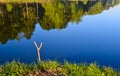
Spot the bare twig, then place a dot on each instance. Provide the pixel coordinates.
(38, 50)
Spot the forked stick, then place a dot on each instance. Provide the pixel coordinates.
(38, 50)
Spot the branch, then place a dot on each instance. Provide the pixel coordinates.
(38, 49)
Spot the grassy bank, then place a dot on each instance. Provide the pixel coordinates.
(53, 68)
(4, 1)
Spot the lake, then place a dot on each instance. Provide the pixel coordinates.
(75, 31)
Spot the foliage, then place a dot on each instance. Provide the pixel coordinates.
(9, 7)
(67, 69)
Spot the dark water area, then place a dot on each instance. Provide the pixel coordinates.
(76, 31)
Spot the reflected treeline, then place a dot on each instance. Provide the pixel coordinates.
(18, 20)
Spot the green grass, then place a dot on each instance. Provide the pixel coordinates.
(4, 1)
(53, 68)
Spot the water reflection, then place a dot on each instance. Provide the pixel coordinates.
(18, 20)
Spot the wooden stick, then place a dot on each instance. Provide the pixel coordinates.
(38, 50)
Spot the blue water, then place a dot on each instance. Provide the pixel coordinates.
(95, 39)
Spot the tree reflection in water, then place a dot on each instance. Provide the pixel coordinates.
(18, 20)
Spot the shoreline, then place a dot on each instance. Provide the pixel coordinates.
(54, 68)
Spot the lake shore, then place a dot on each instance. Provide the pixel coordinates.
(54, 68)
(77, 31)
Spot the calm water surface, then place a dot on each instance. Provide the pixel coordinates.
(91, 38)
